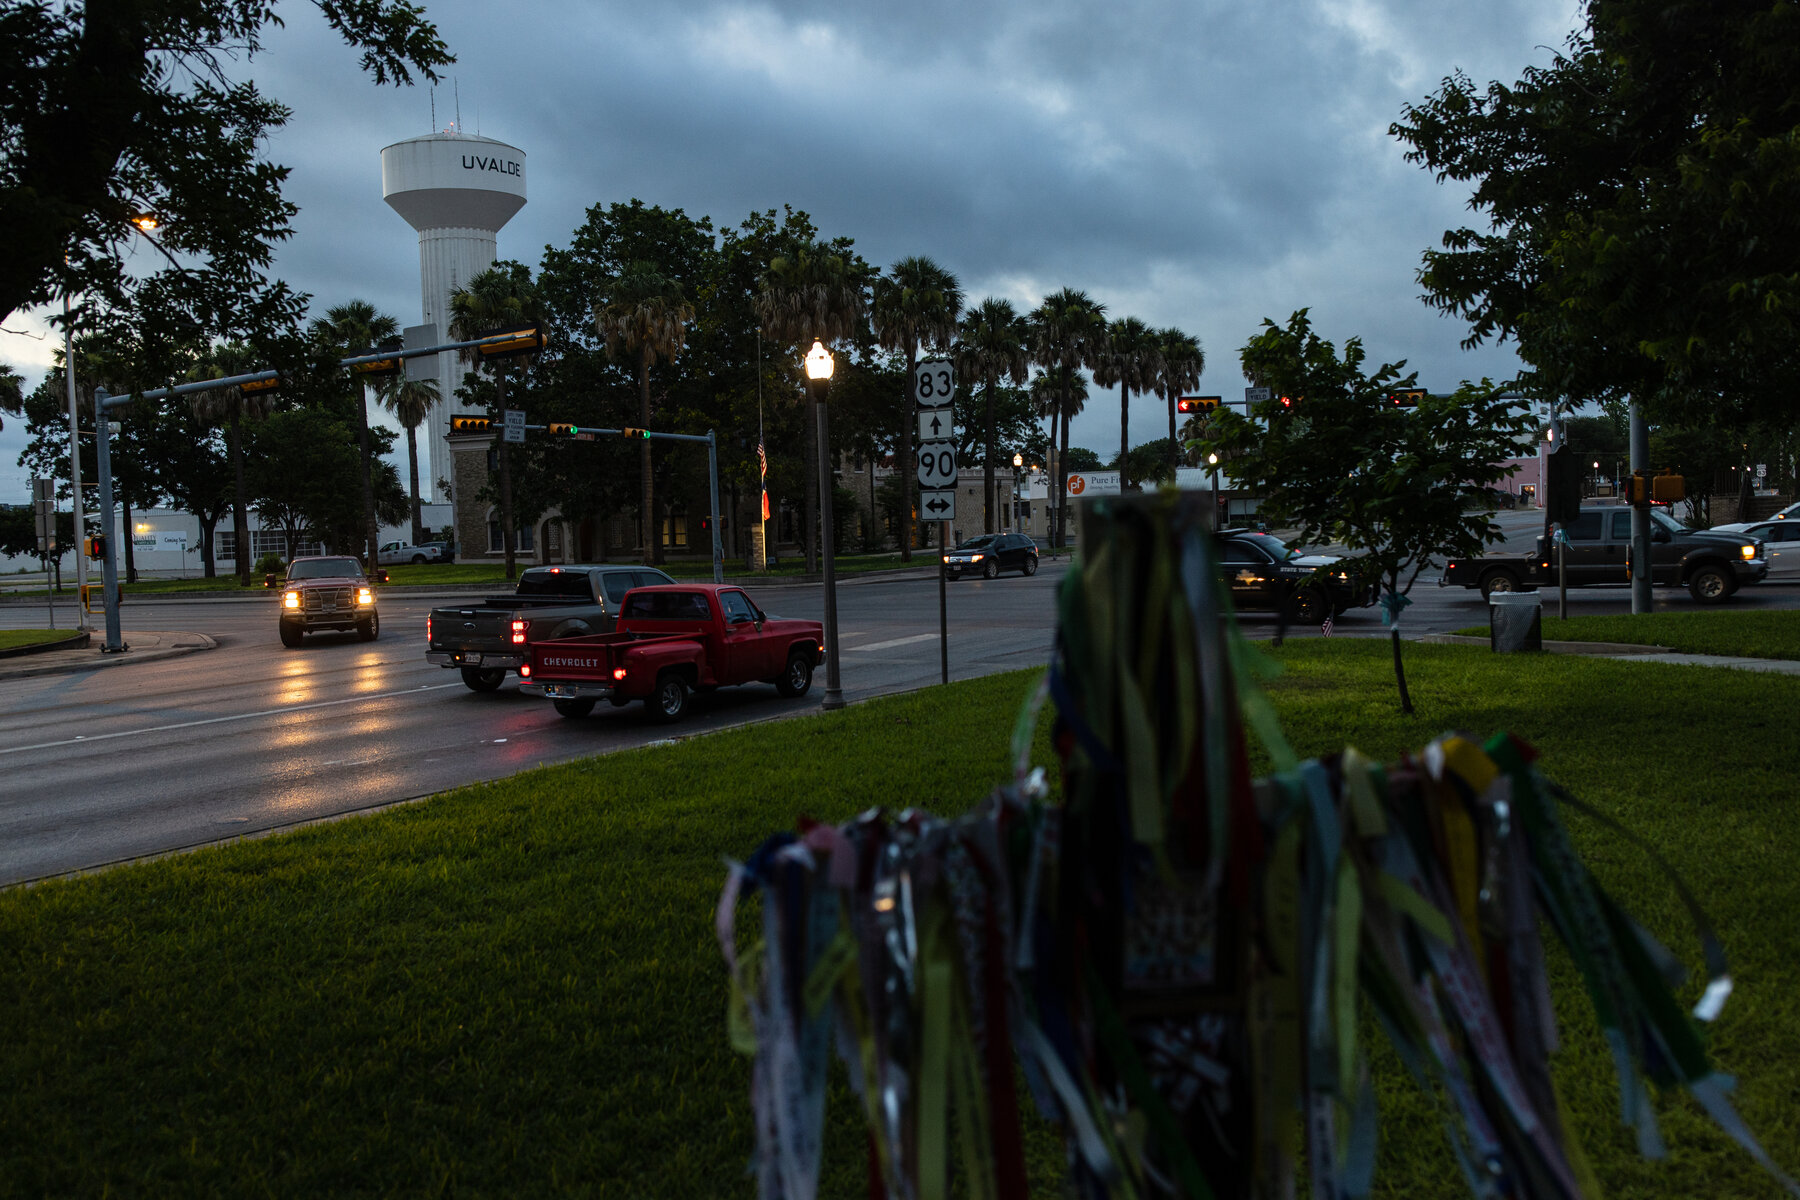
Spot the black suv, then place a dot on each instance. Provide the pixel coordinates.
(992, 553)
(1265, 574)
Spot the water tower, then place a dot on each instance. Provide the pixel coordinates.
(457, 191)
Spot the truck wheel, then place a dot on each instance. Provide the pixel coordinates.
(796, 677)
(574, 708)
(670, 699)
(1710, 585)
(1308, 607)
(483, 679)
(418, 560)
(370, 629)
(1498, 581)
(291, 635)
(990, 568)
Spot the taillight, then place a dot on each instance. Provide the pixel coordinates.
(428, 627)
(525, 671)
(518, 630)
(618, 672)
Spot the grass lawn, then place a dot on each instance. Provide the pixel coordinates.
(514, 989)
(1745, 634)
(13, 638)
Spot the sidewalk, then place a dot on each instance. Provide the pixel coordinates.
(1654, 654)
(144, 647)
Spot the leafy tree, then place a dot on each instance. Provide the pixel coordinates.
(992, 345)
(645, 317)
(812, 291)
(348, 330)
(1128, 361)
(192, 468)
(300, 463)
(232, 405)
(1344, 465)
(916, 306)
(1149, 464)
(112, 110)
(1643, 201)
(1179, 364)
(1068, 333)
(1079, 458)
(499, 297)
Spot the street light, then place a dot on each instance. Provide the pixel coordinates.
(818, 375)
(1212, 460)
(1018, 466)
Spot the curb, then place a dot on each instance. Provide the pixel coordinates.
(1604, 648)
(94, 660)
(77, 641)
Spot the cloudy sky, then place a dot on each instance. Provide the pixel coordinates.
(1203, 164)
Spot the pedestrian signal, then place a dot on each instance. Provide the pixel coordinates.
(1668, 487)
(470, 424)
(96, 546)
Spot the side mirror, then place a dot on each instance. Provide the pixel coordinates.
(381, 575)
(269, 580)
(759, 624)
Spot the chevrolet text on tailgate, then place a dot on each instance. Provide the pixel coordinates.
(671, 642)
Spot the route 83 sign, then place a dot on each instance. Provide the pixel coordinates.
(937, 465)
(934, 384)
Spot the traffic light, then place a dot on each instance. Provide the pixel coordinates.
(381, 366)
(96, 546)
(1194, 404)
(470, 424)
(1286, 402)
(257, 387)
(636, 433)
(514, 342)
(563, 430)
(1406, 397)
(1668, 487)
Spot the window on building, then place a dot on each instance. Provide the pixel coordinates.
(674, 531)
(522, 538)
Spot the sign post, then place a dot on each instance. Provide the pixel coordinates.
(934, 388)
(43, 500)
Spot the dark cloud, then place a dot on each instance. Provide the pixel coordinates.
(1201, 164)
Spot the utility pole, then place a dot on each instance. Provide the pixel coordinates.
(1640, 515)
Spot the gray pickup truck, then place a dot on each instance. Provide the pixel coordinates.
(1710, 565)
(486, 640)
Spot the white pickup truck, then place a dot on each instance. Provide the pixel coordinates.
(392, 553)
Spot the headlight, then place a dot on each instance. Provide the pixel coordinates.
(1747, 551)
(290, 600)
(365, 596)
(975, 557)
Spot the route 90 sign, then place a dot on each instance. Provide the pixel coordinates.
(937, 465)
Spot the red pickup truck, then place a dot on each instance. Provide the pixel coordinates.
(670, 642)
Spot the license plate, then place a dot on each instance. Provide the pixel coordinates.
(557, 691)
(330, 608)
(473, 660)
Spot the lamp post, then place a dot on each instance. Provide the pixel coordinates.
(1018, 466)
(818, 374)
(1212, 460)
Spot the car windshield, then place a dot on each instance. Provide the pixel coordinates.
(1666, 521)
(976, 543)
(324, 568)
(1273, 546)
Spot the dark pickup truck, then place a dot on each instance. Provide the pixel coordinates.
(1710, 565)
(486, 640)
(671, 642)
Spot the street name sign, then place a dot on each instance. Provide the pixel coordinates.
(934, 383)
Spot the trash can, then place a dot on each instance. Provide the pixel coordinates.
(1515, 622)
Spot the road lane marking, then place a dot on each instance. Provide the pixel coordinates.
(249, 716)
(905, 641)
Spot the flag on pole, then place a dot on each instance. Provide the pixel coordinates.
(1326, 627)
(762, 465)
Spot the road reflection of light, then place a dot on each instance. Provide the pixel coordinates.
(306, 794)
(299, 685)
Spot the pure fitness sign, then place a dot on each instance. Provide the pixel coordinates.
(480, 162)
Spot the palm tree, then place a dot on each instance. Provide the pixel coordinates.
(645, 316)
(355, 328)
(1060, 395)
(992, 345)
(1180, 361)
(810, 292)
(501, 297)
(410, 400)
(1068, 332)
(1129, 361)
(231, 405)
(916, 304)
